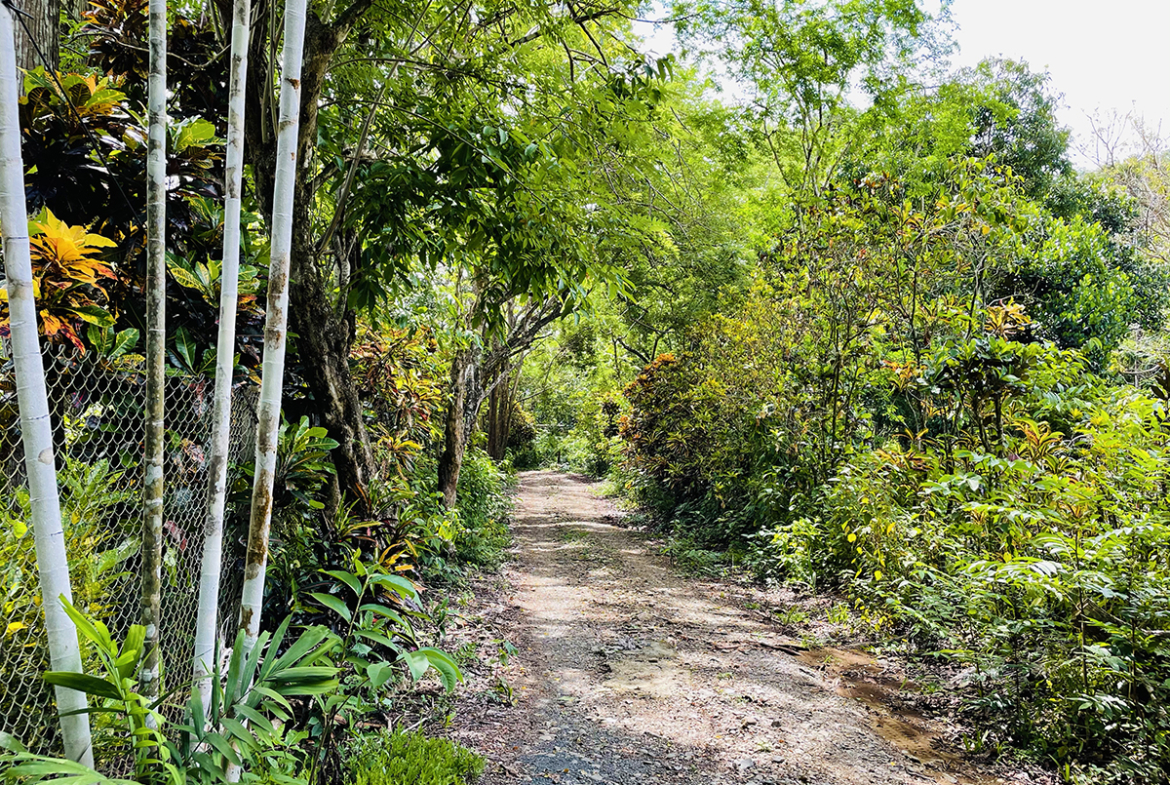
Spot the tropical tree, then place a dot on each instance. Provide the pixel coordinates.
(799, 63)
(442, 70)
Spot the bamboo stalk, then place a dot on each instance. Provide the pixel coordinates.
(156, 281)
(32, 400)
(206, 621)
(276, 325)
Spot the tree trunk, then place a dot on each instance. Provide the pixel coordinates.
(276, 325)
(500, 416)
(207, 618)
(324, 339)
(455, 431)
(32, 400)
(156, 282)
(475, 376)
(43, 20)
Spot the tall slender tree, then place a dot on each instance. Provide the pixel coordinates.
(156, 281)
(206, 623)
(32, 400)
(276, 326)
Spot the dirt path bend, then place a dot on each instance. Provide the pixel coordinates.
(631, 673)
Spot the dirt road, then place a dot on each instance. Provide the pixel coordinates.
(630, 672)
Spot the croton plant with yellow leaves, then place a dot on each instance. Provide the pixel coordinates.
(69, 280)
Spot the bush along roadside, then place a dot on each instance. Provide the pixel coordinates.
(996, 503)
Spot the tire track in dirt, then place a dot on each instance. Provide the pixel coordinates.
(629, 672)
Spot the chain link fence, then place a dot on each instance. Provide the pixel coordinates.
(97, 407)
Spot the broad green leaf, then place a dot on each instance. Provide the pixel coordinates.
(398, 584)
(379, 673)
(197, 132)
(417, 662)
(334, 604)
(347, 578)
(449, 672)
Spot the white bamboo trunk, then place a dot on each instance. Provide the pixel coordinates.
(36, 429)
(206, 621)
(272, 379)
(156, 281)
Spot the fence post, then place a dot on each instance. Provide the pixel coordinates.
(36, 428)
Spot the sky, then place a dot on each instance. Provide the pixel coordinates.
(1102, 54)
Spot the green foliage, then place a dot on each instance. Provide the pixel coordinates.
(694, 559)
(876, 415)
(370, 610)
(404, 758)
(93, 498)
(484, 508)
(244, 725)
(333, 673)
(302, 468)
(301, 461)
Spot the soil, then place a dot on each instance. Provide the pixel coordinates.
(630, 671)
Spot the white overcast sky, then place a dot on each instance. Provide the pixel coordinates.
(1103, 55)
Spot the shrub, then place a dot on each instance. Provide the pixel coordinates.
(484, 507)
(401, 758)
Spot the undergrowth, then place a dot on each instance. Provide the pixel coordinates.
(402, 758)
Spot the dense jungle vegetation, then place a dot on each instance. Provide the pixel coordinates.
(816, 303)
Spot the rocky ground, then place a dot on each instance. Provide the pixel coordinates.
(629, 671)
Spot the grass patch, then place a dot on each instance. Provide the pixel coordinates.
(695, 560)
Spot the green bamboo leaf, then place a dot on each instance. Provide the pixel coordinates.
(95, 631)
(223, 748)
(274, 646)
(309, 688)
(257, 719)
(388, 613)
(239, 730)
(304, 674)
(303, 645)
(377, 637)
(82, 682)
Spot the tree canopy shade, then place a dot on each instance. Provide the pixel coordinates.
(860, 326)
(474, 123)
